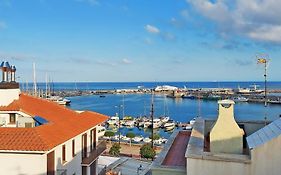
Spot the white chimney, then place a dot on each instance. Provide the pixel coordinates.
(9, 90)
(226, 136)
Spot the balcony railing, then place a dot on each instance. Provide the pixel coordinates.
(94, 154)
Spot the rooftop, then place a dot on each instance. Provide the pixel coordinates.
(63, 124)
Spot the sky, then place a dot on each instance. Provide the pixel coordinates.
(141, 40)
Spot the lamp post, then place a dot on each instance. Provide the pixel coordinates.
(119, 111)
(264, 60)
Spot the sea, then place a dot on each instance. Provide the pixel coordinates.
(180, 110)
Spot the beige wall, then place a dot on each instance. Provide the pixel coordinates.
(15, 164)
(8, 96)
(266, 159)
(211, 167)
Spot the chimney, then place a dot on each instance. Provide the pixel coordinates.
(5, 67)
(9, 89)
(226, 136)
(13, 73)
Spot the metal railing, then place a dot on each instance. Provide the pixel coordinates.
(93, 155)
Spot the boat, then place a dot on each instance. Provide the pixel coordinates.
(189, 96)
(126, 139)
(169, 125)
(164, 119)
(188, 127)
(113, 120)
(191, 122)
(129, 123)
(275, 101)
(137, 139)
(101, 131)
(240, 99)
(59, 100)
(156, 123)
(102, 96)
(146, 140)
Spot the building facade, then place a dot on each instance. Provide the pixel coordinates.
(39, 137)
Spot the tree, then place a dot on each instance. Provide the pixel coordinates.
(155, 137)
(115, 149)
(109, 134)
(147, 152)
(131, 135)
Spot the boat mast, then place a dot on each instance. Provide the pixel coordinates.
(34, 81)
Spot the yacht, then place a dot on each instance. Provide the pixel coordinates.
(156, 123)
(137, 139)
(113, 120)
(147, 140)
(169, 125)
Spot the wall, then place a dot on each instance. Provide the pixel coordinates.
(72, 164)
(167, 171)
(211, 167)
(8, 96)
(15, 164)
(266, 159)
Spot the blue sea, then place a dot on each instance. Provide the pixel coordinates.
(180, 110)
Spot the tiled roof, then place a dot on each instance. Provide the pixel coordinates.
(63, 124)
(265, 134)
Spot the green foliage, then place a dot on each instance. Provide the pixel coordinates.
(147, 152)
(115, 149)
(109, 133)
(155, 137)
(130, 135)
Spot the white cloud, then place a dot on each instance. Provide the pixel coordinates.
(152, 29)
(255, 19)
(3, 25)
(126, 61)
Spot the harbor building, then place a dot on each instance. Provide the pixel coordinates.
(223, 146)
(40, 137)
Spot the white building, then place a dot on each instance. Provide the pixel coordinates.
(41, 137)
(223, 147)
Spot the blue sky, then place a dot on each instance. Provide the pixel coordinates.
(141, 40)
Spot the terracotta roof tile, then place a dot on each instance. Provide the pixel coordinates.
(63, 124)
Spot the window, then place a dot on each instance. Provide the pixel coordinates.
(28, 125)
(73, 148)
(63, 154)
(12, 118)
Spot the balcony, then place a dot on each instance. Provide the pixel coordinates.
(94, 154)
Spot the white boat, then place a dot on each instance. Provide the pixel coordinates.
(113, 120)
(146, 140)
(129, 123)
(101, 131)
(191, 122)
(240, 99)
(188, 127)
(59, 100)
(124, 138)
(137, 139)
(160, 141)
(169, 124)
(147, 124)
(164, 119)
(156, 123)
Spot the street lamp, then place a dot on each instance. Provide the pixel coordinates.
(119, 111)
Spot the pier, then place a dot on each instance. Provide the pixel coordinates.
(274, 95)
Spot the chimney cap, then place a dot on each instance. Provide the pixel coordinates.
(5, 64)
(226, 102)
(13, 68)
